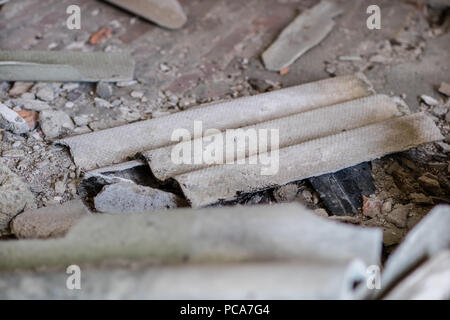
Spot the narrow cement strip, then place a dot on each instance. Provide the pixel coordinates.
(166, 13)
(427, 239)
(115, 145)
(305, 160)
(25, 65)
(268, 280)
(292, 130)
(211, 235)
(304, 33)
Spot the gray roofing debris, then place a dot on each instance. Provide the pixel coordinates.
(48, 222)
(431, 281)
(430, 237)
(166, 13)
(304, 33)
(211, 235)
(115, 145)
(293, 129)
(257, 280)
(12, 121)
(28, 65)
(312, 158)
(15, 196)
(127, 198)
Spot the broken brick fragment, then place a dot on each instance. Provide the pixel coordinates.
(371, 207)
(100, 36)
(30, 116)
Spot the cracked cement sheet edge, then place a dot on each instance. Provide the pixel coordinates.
(292, 130)
(429, 237)
(304, 33)
(166, 13)
(256, 280)
(211, 235)
(115, 145)
(308, 159)
(24, 65)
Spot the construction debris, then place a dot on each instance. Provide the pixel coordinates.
(166, 13)
(100, 36)
(130, 198)
(429, 100)
(425, 241)
(342, 191)
(304, 33)
(55, 123)
(209, 235)
(16, 65)
(257, 280)
(12, 121)
(309, 159)
(445, 89)
(115, 145)
(15, 196)
(48, 222)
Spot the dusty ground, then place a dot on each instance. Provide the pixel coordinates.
(217, 56)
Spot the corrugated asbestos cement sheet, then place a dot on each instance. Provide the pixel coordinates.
(28, 65)
(308, 159)
(115, 145)
(211, 235)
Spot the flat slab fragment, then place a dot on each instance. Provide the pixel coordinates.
(115, 145)
(209, 235)
(305, 32)
(48, 222)
(28, 65)
(308, 159)
(167, 13)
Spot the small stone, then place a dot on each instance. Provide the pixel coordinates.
(445, 89)
(137, 94)
(101, 103)
(12, 121)
(81, 120)
(259, 84)
(399, 215)
(69, 104)
(35, 105)
(20, 88)
(74, 95)
(439, 111)
(307, 195)
(430, 184)
(286, 193)
(55, 123)
(164, 67)
(28, 96)
(321, 212)
(420, 198)
(371, 207)
(70, 86)
(429, 100)
(128, 198)
(15, 196)
(100, 36)
(60, 187)
(447, 117)
(46, 93)
(392, 235)
(387, 206)
(122, 84)
(104, 90)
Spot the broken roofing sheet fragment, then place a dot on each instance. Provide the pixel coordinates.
(292, 130)
(305, 32)
(428, 238)
(429, 281)
(27, 65)
(208, 235)
(166, 13)
(309, 159)
(304, 279)
(115, 145)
